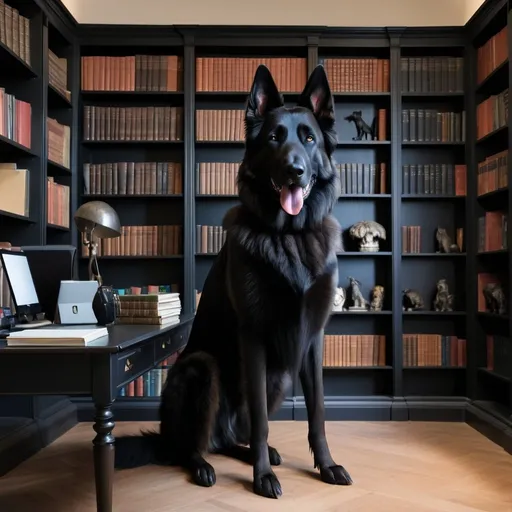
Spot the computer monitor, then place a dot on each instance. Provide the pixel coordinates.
(19, 277)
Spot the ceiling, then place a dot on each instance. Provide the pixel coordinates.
(343, 13)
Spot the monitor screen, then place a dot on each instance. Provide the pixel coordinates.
(20, 278)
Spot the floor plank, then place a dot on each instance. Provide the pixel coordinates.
(396, 466)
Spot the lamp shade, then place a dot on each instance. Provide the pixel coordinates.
(99, 216)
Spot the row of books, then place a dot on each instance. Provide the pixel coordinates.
(149, 288)
(492, 173)
(57, 200)
(133, 123)
(15, 119)
(434, 179)
(433, 350)
(236, 74)
(432, 74)
(492, 231)
(354, 350)
(59, 142)
(133, 178)
(430, 125)
(209, 239)
(58, 74)
(15, 31)
(140, 73)
(492, 114)
(217, 178)
(142, 241)
(359, 178)
(492, 54)
(357, 75)
(411, 239)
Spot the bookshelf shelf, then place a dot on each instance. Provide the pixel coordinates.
(10, 146)
(496, 136)
(356, 254)
(364, 196)
(11, 63)
(56, 169)
(431, 197)
(16, 217)
(434, 255)
(139, 257)
(433, 143)
(132, 196)
(365, 313)
(434, 313)
(356, 368)
(355, 143)
(56, 99)
(494, 374)
(494, 81)
(435, 95)
(113, 95)
(58, 228)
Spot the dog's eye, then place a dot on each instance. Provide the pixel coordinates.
(310, 138)
(272, 137)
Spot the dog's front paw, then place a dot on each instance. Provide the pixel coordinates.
(267, 485)
(336, 475)
(204, 475)
(273, 455)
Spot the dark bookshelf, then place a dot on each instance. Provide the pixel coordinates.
(31, 422)
(431, 72)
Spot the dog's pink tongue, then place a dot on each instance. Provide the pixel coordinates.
(291, 199)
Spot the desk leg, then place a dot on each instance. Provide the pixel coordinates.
(104, 456)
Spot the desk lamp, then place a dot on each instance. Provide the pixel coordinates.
(97, 219)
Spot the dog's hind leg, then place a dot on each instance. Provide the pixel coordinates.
(190, 401)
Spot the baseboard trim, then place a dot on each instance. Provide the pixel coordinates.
(337, 408)
(495, 427)
(23, 437)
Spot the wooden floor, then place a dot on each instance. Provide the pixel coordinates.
(409, 467)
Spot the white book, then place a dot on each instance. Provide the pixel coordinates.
(56, 337)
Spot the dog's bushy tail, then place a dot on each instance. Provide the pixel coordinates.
(138, 450)
(189, 403)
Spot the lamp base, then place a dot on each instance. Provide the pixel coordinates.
(105, 305)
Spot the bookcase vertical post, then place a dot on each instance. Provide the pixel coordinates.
(189, 173)
(509, 231)
(43, 131)
(396, 165)
(312, 43)
(471, 215)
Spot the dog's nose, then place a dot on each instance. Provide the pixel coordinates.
(295, 170)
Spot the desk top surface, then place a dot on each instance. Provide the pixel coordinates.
(120, 338)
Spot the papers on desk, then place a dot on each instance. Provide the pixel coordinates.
(80, 337)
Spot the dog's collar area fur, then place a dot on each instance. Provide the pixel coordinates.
(305, 191)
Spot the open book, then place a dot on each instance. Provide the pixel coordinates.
(56, 337)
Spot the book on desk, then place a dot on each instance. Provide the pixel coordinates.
(78, 336)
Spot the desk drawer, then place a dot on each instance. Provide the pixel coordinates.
(165, 346)
(134, 362)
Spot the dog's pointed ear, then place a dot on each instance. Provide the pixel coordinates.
(317, 97)
(263, 98)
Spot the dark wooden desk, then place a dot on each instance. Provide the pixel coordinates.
(97, 370)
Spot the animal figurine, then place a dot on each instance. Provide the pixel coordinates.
(444, 299)
(495, 299)
(358, 301)
(411, 300)
(340, 296)
(377, 298)
(445, 242)
(361, 126)
(368, 232)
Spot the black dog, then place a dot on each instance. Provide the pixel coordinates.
(361, 126)
(264, 304)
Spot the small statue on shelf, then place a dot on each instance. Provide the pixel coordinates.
(411, 300)
(377, 298)
(340, 296)
(359, 303)
(361, 126)
(368, 232)
(445, 242)
(444, 299)
(495, 299)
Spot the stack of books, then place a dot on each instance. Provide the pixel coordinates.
(150, 308)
